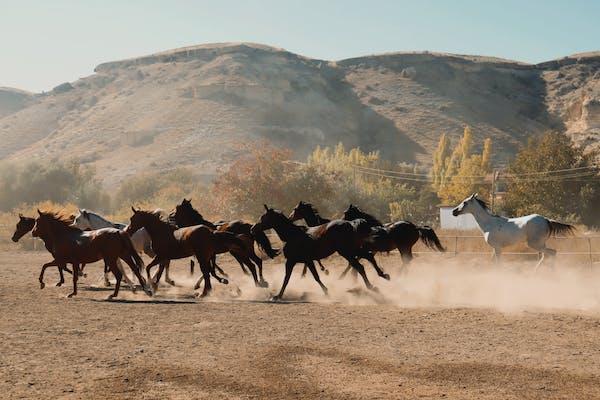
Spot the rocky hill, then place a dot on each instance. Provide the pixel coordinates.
(199, 106)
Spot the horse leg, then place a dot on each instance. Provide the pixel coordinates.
(361, 270)
(304, 270)
(75, 278)
(325, 271)
(62, 276)
(106, 276)
(544, 250)
(343, 275)
(117, 272)
(43, 271)
(258, 261)
(191, 267)
(168, 278)
(206, 269)
(156, 279)
(371, 258)
(315, 274)
(246, 260)
(496, 254)
(124, 275)
(289, 267)
(155, 261)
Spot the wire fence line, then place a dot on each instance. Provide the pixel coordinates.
(587, 247)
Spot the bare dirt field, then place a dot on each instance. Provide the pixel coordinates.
(446, 329)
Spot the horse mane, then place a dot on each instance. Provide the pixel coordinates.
(60, 218)
(370, 219)
(159, 216)
(314, 210)
(483, 204)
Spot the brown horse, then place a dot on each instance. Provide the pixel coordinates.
(24, 226)
(186, 215)
(74, 246)
(305, 245)
(170, 242)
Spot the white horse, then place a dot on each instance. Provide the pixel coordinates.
(500, 232)
(141, 239)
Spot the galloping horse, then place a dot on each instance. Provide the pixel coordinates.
(500, 232)
(25, 225)
(311, 216)
(72, 245)
(186, 215)
(170, 242)
(237, 227)
(401, 235)
(86, 219)
(305, 245)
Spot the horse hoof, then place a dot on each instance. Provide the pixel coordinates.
(59, 284)
(171, 282)
(106, 283)
(42, 285)
(326, 271)
(225, 282)
(148, 292)
(196, 287)
(374, 289)
(110, 297)
(84, 275)
(385, 276)
(275, 298)
(263, 284)
(71, 295)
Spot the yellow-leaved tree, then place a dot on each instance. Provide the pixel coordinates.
(462, 172)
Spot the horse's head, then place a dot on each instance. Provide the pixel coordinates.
(24, 225)
(352, 213)
(467, 205)
(300, 211)
(42, 225)
(270, 219)
(82, 220)
(137, 221)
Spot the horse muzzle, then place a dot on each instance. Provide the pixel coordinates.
(456, 212)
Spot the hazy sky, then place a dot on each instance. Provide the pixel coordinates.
(45, 43)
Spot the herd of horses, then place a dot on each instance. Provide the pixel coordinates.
(88, 237)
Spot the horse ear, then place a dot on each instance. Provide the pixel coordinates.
(20, 216)
(133, 209)
(475, 195)
(39, 212)
(266, 208)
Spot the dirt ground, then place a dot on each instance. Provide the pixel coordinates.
(441, 330)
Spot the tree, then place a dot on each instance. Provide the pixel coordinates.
(571, 194)
(440, 160)
(464, 171)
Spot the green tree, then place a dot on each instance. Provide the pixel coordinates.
(573, 194)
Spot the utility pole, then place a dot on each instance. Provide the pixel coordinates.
(494, 177)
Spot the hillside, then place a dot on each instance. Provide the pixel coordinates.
(199, 106)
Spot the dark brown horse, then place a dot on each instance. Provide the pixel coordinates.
(26, 225)
(74, 246)
(305, 245)
(311, 216)
(401, 235)
(186, 215)
(170, 242)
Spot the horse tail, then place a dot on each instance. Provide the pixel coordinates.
(230, 241)
(264, 243)
(555, 227)
(126, 239)
(429, 238)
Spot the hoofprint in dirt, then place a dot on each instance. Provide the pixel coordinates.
(462, 332)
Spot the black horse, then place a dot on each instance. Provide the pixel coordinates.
(401, 235)
(305, 245)
(185, 215)
(311, 216)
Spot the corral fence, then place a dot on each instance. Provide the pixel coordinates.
(584, 250)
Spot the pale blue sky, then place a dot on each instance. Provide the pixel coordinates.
(45, 43)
